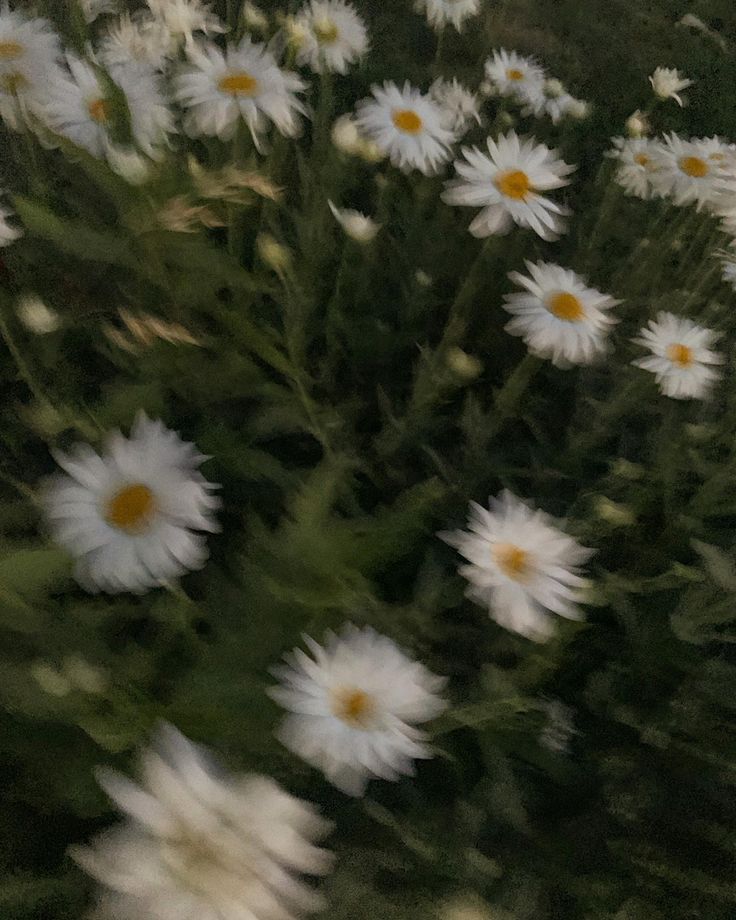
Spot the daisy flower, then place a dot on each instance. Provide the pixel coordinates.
(635, 161)
(682, 358)
(459, 106)
(507, 183)
(140, 39)
(357, 226)
(78, 107)
(94, 8)
(354, 705)
(407, 126)
(637, 124)
(8, 233)
(553, 100)
(334, 36)
(127, 516)
(522, 566)
(182, 18)
(558, 316)
(197, 843)
(243, 83)
(667, 83)
(691, 172)
(29, 53)
(440, 13)
(511, 74)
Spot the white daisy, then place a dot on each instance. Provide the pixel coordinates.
(635, 162)
(8, 233)
(522, 566)
(183, 18)
(559, 316)
(682, 358)
(29, 53)
(218, 90)
(77, 106)
(334, 36)
(407, 126)
(667, 83)
(691, 172)
(140, 39)
(440, 13)
(198, 844)
(94, 8)
(459, 106)
(507, 183)
(354, 706)
(553, 100)
(357, 226)
(511, 74)
(127, 516)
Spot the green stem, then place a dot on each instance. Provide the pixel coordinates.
(20, 362)
(235, 233)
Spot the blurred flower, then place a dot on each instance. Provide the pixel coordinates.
(511, 74)
(8, 233)
(635, 162)
(181, 216)
(94, 8)
(692, 22)
(556, 734)
(691, 172)
(667, 83)
(464, 365)
(682, 358)
(613, 512)
(440, 13)
(407, 126)
(345, 135)
(555, 104)
(145, 329)
(578, 109)
(197, 843)
(637, 124)
(422, 278)
(254, 17)
(182, 18)
(128, 516)
(29, 59)
(521, 565)
(459, 106)
(35, 315)
(356, 225)
(559, 316)
(506, 184)
(354, 706)
(334, 36)
(273, 253)
(219, 89)
(232, 183)
(129, 164)
(137, 39)
(296, 32)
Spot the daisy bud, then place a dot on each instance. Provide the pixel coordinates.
(422, 278)
(345, 135)
(667, 83)
(553, 88)
(49, 679)
(129, 164)
(637, 124)
(369, 151)
(506, 120)
(613, 513)
(486, 88)
(275, 255)
(578, 109)
(357, 226)
(254, 18)
(296, 32)
(464, 365)
(36, 316)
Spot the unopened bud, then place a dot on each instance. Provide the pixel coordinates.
(464, 365)
(273, 253)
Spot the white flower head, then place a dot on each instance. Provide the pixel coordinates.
(691, 171)
(129, 515)
(440, 13)
(8, 233)
(94, 8)
(551, 99)
(183, 18)
(637, 124)
(682, 358)
(357, 226)
(558, 315)
(667, 83)
(29, 54)
(515, 76)
(78, 107)
(244, 83)
(354, 706)
(407, 126)
(334, 36)
(635, 161)
(507, 184)
(198, 843)
(137, 39)
(345, 135)
(521, 565)
(459, 106)
(35, 315)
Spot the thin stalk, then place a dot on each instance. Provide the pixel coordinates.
(23, 368)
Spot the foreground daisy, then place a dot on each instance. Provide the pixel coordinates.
(357, 226)
(354, 706)
(334, 36)
(407, 126)
(507, 183)
(440, 13)
(636, 159)
(79, 108)
(243, 83)
(128, 516)
(521, 565)
(559, 316)
(459, 106)
(511, 74)
(197, 844)
(691, 171)
(29, 51)
(682, 358)
(667, 83)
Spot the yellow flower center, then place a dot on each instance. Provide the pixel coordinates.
(566, 306)
(694, 166)
(12, 82)
(10, 50)
(681, 355)
(99, 110)
(408, 121)
(642, 159)
(239, 84)
(513, 73)
(132, 508)
(353, 706)
(325, 31)
(511, 559)
(514, 184)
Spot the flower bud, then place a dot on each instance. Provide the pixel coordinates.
(36, 316)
